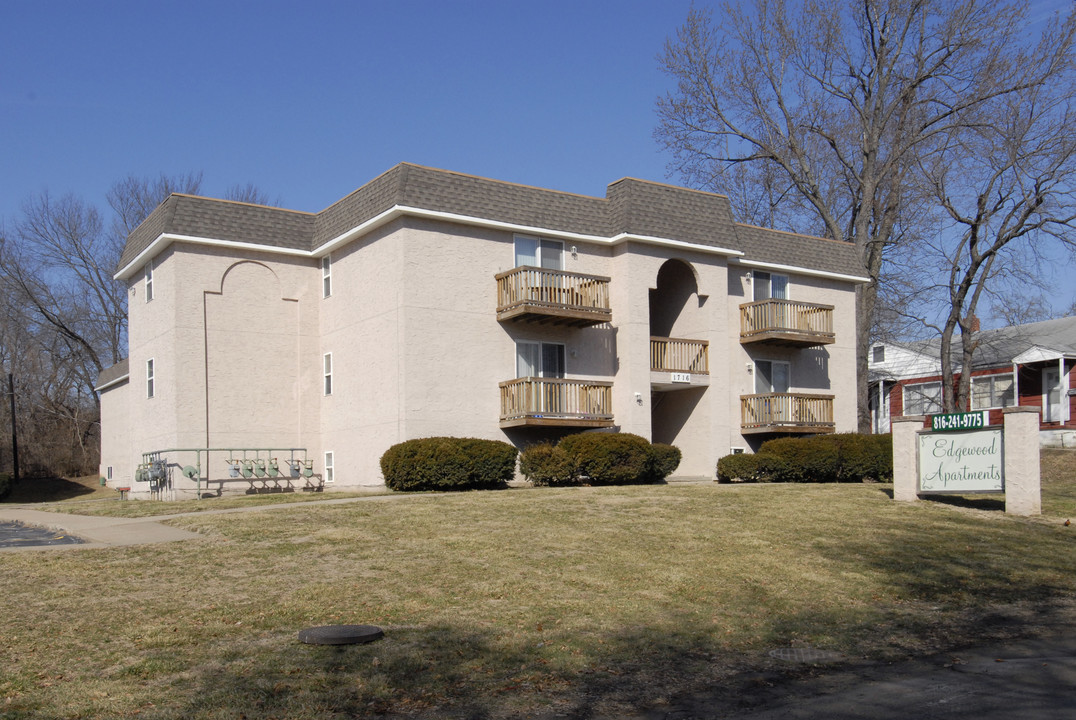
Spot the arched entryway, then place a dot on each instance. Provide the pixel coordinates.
(679, 356)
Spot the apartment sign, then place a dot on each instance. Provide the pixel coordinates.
(961, 462)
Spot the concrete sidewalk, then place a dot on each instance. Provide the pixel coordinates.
(101, 531)
(97, 531)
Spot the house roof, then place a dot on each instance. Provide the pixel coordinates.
(632, 209)
(1004, 346)
(113, 375)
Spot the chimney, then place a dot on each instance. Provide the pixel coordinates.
(975, 323)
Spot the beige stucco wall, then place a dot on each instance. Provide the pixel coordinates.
(116, 435)
(824, 370)
(417, 349)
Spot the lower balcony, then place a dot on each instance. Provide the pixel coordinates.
(786, 413)
(556, 402)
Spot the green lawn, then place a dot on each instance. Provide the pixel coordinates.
(507, 603)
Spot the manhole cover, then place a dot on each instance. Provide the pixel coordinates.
(806, 655)
(340, 634)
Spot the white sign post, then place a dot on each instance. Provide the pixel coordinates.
(988, 460)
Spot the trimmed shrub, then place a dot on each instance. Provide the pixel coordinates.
(447, 463)
(609, 458)
(810, 459)
(741, 467)
(545, 464)
(664, 460)
(845, 457)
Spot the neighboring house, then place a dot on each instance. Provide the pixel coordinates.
(433, 303)
(1019, 365)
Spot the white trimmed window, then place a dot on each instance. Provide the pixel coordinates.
(923, 398)
(992, 391)
(327, 369)
(149, 281)
(539, 252)
(149, 378)
(328, 476)
(768, 286)
(772, 376)
(539, 359)
(326, 276)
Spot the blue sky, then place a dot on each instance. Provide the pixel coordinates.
(309, 101)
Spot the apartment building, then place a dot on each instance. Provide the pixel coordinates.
(272, 348)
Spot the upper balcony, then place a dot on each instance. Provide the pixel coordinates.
(786, 413)
(556, 402)
(557, 297)
(786, 322)
(678, 364)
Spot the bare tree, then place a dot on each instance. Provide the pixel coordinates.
(828, 103)
(249, 193)
(1007, 185)
(64, 318)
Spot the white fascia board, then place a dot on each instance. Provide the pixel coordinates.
(399, 210)
(165, 239)
(113, 382)
(1040, 354)
(396, 211)
(803, 271)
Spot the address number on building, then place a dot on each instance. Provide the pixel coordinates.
(681, 377)
(958, 421)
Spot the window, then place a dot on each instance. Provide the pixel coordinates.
(328, 476)
(535, 359)
(879, 354)
(149, 281)
(538, 252)
(766, 286)
(991, 391)
(771, 376)
(923, 399)
(149, 378)
(326, 277)
(328, 373)
(109, 472)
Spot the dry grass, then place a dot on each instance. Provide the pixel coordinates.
(505, 604)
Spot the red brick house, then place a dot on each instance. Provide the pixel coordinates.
(1019, 365)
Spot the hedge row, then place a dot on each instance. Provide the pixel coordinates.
(448, 463)
(845, 457)
(598, 459)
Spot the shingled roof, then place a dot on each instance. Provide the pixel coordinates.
(631, 207)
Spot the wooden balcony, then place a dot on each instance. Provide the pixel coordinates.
(786, 322)
(786, 413)
(679, 356)
(537, 295)
(556, 402)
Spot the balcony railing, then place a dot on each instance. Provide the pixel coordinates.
(555, 401)
(676, 355)
(552, 296)
(786, 413)
(786, 322)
